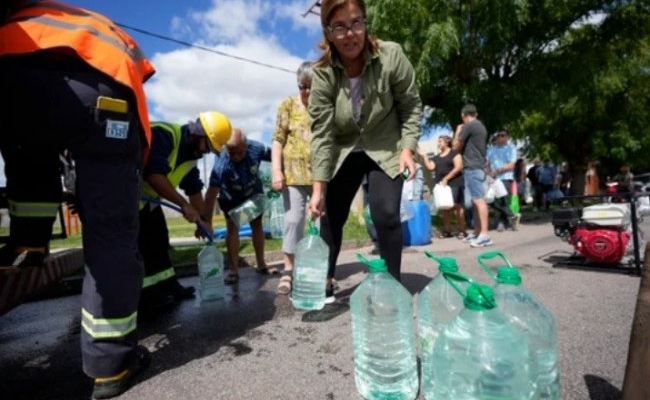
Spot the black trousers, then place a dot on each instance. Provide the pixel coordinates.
(502, 204)
(384, 195)
(153, 242)
(49, 108)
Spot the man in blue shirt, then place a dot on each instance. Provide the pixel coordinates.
(234, 179)
(502, 157)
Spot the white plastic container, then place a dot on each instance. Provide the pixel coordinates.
(443, 197)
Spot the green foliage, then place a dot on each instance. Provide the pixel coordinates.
(570, 77)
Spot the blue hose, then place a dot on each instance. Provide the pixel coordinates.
(180, 210)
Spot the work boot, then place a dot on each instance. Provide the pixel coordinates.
(180, 292)
(106, 388)
(155, 299)
(23, 257)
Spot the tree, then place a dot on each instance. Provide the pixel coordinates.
(570, 76)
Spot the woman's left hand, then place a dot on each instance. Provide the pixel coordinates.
(406, 162)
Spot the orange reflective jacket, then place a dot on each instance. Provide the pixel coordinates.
(41, 24)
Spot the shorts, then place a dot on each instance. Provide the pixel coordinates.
(457, 194)
(474, 183)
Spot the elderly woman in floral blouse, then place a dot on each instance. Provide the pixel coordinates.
(290, 168)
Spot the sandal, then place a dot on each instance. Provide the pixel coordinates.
(284, 287)
(444, 235)
(265, 270)
(231, 278)
(461, 235)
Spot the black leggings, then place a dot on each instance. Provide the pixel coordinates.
(384, 195)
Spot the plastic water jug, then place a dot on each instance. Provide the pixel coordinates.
(406, 211)
(417, 230)
(443, 197)
(310, 271)
(276, 214)
(438, 304)
(480, 355)
(383, 336)
(529, 315)
(210, 266)
(248, 210)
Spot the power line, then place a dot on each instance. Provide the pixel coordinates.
(158, 36)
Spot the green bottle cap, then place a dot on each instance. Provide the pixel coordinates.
(479, 297)
(508, 276)
(377, 265)
(447, 264)
(312, 229)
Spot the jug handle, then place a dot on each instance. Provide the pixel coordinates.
(488, 255)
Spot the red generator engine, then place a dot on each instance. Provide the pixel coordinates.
(601, 233)
(599, 244)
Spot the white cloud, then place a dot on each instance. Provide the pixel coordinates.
(190, 80)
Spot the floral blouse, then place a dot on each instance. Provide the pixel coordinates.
(293, 131)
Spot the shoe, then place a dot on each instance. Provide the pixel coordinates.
(266, 270)
(501, 227)
(469, 237)
(284, 286)
(329, 294)
(481, 241)
(106, 388)
(23, 257)
(231, 278)
(514, 221)
(374, 251)
(155, 299)
(180, 292)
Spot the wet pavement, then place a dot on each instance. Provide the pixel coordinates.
(254, 345)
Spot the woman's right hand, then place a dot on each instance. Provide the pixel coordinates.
(277, 179)
(317, 200)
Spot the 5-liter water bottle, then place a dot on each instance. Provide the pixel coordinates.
(438, 304)
(534, 320)
(383, 336)
(276, 214)
(406, 211)
(248, 210)
(480, 355)
(367, 218)
(310, 271)
(210, 265)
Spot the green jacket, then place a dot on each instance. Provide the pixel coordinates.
(390, 119)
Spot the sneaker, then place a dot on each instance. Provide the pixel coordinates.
(501, 227)
(468, 238)
(180, 292)
(329, 294)
(514, 221)
(481, 241)
(106, 388)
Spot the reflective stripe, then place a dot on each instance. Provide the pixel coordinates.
(159, 277)
(34, 210)
(102, 328)
(134, 53)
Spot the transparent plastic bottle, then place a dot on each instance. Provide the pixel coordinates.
(210, 266)
(480, 355)
(310, 271)
(406, 211)
(248, 210)
(367, 218)
(276, 214)
(383, 337)
(438, 304)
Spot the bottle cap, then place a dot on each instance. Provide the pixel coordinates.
(377, 265)
(447, 264)
(508, 276)
(312, 229)
(479, 297)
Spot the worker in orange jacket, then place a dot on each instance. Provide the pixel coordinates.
(74, 81)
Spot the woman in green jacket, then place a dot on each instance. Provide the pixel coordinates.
(366, 111)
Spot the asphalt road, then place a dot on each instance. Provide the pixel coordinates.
(254, 345)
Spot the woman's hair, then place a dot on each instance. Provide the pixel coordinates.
(327, 10)
(446, 138)
(305, 70)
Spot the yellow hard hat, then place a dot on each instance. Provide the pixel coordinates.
(217, 127)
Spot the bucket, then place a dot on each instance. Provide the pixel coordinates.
(417, 230)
